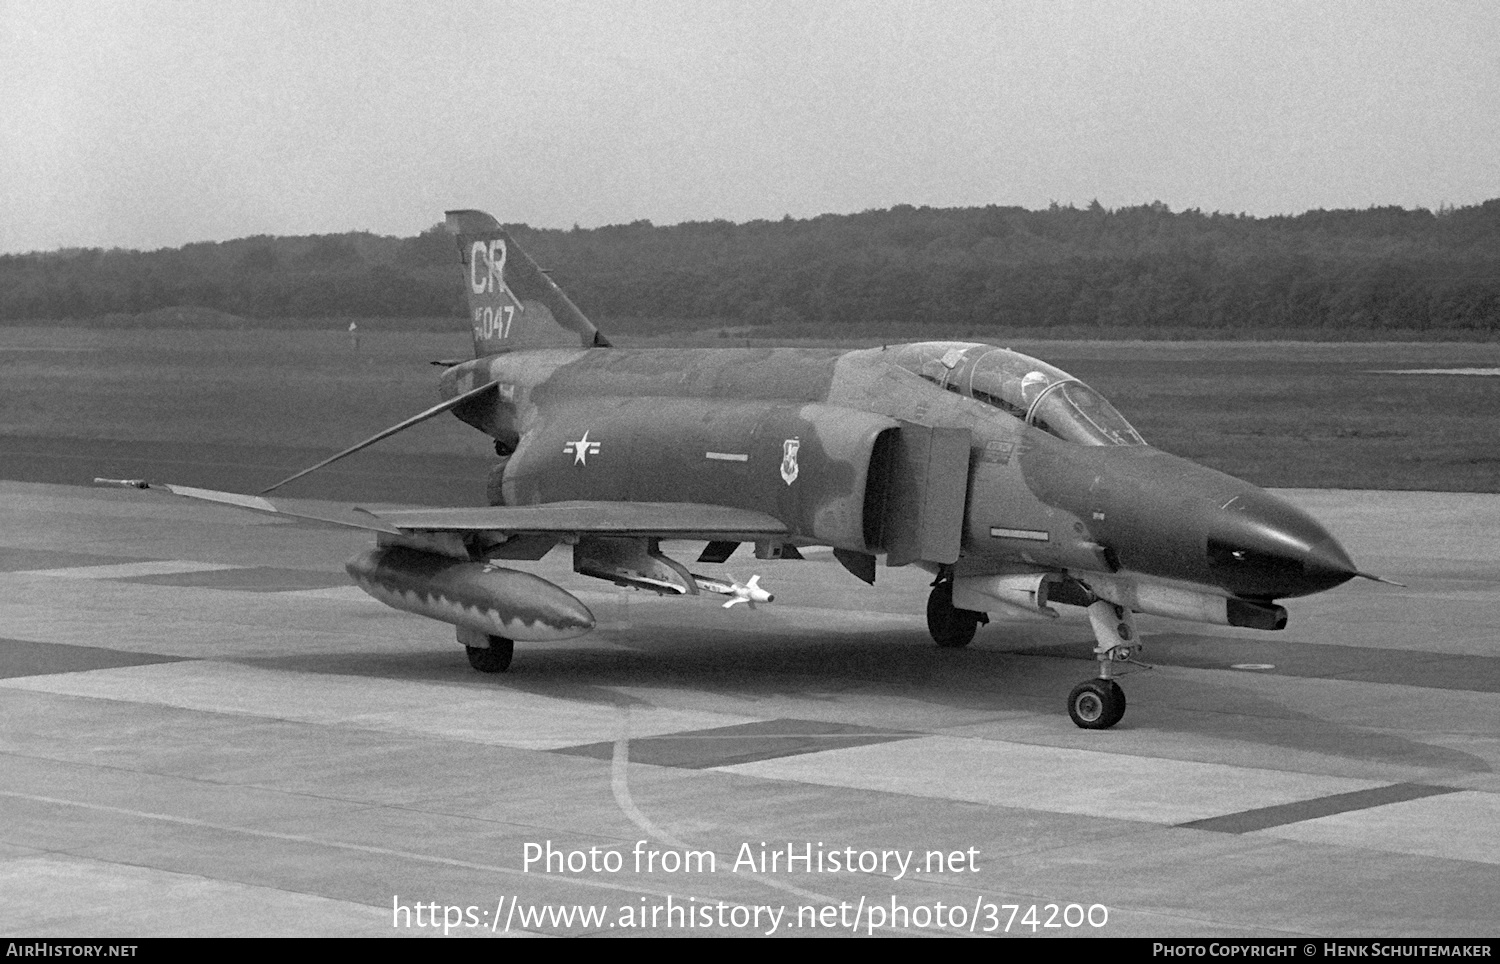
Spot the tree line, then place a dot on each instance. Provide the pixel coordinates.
(957, 269)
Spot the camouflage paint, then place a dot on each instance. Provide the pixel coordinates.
(729, 426)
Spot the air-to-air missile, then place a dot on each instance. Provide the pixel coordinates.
(739, 592)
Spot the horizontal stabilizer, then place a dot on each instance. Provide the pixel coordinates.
(435, 410)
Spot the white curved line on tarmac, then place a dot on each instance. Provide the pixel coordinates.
(620, 782)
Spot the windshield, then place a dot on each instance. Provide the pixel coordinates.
(1072, 410)
(1031, 390)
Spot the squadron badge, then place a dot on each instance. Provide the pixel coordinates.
(789, 460)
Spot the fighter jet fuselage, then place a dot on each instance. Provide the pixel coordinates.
(819, 438)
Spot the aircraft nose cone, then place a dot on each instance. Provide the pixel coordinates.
(1260, 547)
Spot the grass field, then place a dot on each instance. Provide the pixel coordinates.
(1286, 414)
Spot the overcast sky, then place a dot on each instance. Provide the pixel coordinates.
(156, 123)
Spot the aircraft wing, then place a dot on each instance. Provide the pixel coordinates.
(681, 520)
(350, 517)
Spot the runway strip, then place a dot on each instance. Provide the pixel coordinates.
(215, 721)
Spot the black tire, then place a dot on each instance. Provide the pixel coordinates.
(494, 658)
(1097, 704)
(950, 628)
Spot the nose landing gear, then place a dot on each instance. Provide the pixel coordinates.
(1095, 704)
(1099, 704)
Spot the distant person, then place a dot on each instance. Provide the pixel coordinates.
(354, 335)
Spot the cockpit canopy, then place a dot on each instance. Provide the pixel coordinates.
(1031, 390)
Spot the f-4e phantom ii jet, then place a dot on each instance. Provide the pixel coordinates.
(1016, 485)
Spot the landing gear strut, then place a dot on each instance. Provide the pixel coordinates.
(494, 658)
(493, 494)
(951, 628)
(1100, 703)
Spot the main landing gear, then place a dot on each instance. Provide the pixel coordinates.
(494, 658)
(1100, 703)
(493, 494)
(951, 628)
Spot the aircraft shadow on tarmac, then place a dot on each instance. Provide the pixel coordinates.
(990, 679)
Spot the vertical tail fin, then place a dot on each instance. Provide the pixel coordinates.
(512, 303)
